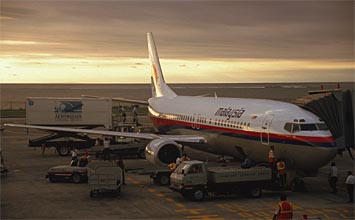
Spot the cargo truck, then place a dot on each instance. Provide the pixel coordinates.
(71, 112)
(195, 180)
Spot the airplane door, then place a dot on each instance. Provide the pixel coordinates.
(198, 121)
(195, 122)
(265, 128)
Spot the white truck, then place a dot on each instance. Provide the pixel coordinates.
(195, 180)
(76, 112)
(69, 111)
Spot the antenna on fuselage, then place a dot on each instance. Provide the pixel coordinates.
(215, 95)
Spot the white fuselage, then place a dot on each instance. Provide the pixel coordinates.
(247, 128)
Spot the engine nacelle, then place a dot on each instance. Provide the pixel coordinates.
(162, 152)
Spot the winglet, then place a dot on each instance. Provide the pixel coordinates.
(160, 87)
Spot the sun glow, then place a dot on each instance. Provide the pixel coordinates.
(45, 68)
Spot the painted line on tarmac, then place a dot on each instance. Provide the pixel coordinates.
(214, 217)
(169, 200)
(151, 190)
(191, 211)
(180, 205)
(160, 195)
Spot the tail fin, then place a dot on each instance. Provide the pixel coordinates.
(160, 88)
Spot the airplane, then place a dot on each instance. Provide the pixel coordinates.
(237, 127)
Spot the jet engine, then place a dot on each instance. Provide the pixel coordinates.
(162, 151)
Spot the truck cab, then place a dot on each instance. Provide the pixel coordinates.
(189, 178)
(190, 173)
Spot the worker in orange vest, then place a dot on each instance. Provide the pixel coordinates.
(284, 209)
(281, 168)
(172, 167)
(271, 160)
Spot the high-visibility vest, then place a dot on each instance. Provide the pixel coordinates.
(281, 167)
(271, 156)
(172, 167)
(285, 210)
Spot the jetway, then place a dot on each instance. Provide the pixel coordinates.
(336, 108)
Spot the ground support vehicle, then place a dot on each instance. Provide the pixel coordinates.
(195, 180)
(75, 174)
(159, 174)
(126, 149)
(104, 177)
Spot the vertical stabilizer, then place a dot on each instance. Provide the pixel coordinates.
(158, 82)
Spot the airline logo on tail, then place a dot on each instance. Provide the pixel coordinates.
(161, 89)
(155, 74)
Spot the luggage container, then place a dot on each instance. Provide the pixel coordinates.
(104, 178)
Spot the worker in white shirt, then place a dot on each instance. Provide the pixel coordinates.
(106, 150)
(350, 181)
(333, 177)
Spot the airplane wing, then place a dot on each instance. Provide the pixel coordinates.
(133, 101)
(177, 138)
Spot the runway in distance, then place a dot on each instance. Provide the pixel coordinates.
(237, 127)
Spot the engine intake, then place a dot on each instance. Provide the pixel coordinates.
(162, 151)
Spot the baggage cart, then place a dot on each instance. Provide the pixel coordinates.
(104, 178)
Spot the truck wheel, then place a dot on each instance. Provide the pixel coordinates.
(63, 151)
(255, 192)
(162, 179)
(198, 195)
(76, 178)
(52, 178)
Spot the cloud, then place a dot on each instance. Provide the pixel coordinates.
(183, 30)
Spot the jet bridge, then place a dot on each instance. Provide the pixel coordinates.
(336, 108)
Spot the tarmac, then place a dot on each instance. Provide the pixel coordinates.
(26, 194)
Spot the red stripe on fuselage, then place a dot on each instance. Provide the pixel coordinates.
(166, 122)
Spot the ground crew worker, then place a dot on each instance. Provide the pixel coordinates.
(121, 165)
(350, 181)
(284, 209)
(106, 150)
(185, 157)
(333, 177)
(281, 168)
(271, 158)
(172, 167)
(43, 149)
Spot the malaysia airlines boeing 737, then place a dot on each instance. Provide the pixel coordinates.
(237, 127)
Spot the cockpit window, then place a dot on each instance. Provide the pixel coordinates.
(295, 127)
(322, 126)
(288, 127)
(308, 127)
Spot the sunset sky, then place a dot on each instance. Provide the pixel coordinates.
(88, 41)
